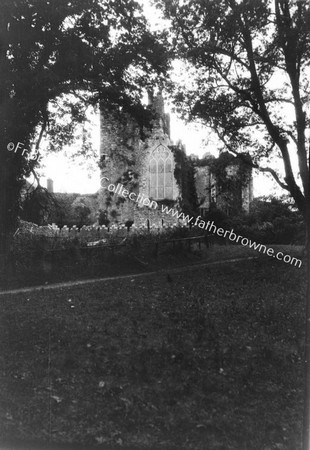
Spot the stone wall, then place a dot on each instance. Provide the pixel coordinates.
(203, 186)
(148, 167)
(209, 191)
(247, 194)
(120, 141)
(156, 148)
(125, 159)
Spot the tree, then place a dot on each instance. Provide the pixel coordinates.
(96, 50)
(247, 67)
(37, 205)
(236, 51)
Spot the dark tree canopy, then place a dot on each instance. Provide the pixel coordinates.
(49, 48)
(247, 66)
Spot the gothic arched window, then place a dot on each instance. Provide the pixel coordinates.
(161, 176)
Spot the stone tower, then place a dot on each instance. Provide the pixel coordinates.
(145, 167)
(212, 192)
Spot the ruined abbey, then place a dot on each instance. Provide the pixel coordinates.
(153, 167)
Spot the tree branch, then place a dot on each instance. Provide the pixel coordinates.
(289, 40)
(36, 178)
(252, 164)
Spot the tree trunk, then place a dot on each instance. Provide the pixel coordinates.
(11, 182)
(306, 422)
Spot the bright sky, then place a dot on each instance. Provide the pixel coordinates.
(69, 177)
(75, 176)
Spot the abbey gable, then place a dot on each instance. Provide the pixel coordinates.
(151, 167)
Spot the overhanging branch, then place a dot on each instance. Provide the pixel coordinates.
(252, 164)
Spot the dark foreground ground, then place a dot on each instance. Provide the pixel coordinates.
(209, 358)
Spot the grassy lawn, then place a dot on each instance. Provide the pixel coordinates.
(208, 358)
(124, 260)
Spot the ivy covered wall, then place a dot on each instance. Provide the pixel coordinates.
(230, 183)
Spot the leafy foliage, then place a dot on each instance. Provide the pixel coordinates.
(49, 49)
(246, 76)
(103, 218)
(232, 175)
(184, 173)
(270, 221)
(37, 206)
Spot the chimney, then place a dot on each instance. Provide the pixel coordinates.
(50, 185)
(150, 96)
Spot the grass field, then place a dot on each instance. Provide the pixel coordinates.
(206, 359)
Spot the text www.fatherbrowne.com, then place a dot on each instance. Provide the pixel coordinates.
(211, 227)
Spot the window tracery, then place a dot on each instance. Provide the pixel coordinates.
(161, 175)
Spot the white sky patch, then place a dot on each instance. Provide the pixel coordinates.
(68, 177)
(74, 177)
(154, 16)
(79, 175)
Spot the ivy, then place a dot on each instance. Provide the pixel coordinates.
(165, 202)
(184, 174)
(229, 185)
(239, 179)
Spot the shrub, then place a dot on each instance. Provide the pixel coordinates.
(103, 218)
